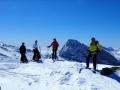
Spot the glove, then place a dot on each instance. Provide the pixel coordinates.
(48, 46)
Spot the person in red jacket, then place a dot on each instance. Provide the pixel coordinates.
(54, 46)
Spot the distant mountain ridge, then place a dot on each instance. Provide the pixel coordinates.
(10, 51)
(74, 50)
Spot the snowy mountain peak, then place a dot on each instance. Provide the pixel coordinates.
(109, 49)
(118, 51)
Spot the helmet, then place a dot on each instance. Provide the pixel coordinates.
(54, 39)
(93, 39)
(23, 43)
(36, 41)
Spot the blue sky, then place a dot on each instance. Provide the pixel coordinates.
(28, 20)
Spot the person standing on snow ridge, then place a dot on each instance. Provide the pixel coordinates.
(94, 50)
(54, 46)
(36, 52)
(23, 52)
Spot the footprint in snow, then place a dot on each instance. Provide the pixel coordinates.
(65, 78)
(54, 73)
(93, 87)
(81, 81)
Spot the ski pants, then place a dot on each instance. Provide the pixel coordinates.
(94, 56)
(54, 54)
(23, 58)
(35, 51)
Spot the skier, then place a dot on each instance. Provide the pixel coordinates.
(36, 55)
(23, 52)
(94, 50)
(54, 46)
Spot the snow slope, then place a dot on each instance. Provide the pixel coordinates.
(116, 54)
(61, 75)
(53, 76)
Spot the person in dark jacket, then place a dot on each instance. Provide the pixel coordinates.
(54, 46)
(94, 50)
(23, 52)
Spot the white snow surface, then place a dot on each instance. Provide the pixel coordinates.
(61, 75)
(116, 54)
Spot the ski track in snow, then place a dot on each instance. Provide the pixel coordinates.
(52, 76)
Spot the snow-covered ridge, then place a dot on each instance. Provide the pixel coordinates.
(7, 50)
(53, 76)
(116, 53)
(61, 75)
(12, 52)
